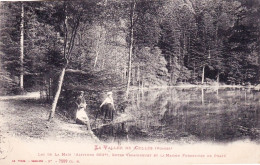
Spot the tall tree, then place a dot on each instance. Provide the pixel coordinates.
(22, 47)
(132, 15)
(74, 13)
(69, 36)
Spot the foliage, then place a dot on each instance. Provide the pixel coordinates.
(172, 42)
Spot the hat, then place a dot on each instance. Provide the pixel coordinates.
(109, 93)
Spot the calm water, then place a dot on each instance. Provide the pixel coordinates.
(194, 114)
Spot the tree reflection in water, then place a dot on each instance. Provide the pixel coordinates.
(189, 115)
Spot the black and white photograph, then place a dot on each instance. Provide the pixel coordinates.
(129, 82)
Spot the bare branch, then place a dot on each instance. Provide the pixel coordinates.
(73, 36)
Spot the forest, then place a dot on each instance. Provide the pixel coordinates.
(104, 45)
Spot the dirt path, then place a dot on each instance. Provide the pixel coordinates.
(23, 117)
(30, 95)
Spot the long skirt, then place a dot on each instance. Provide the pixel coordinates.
(108, 111)
(81, 116)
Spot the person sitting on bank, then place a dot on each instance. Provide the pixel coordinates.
(81, 115)
(108, 107)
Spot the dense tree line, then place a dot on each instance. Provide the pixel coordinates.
(119, 44)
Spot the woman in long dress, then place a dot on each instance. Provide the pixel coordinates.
(108, 107)
(81, 115)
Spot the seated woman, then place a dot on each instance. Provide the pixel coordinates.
(81, 115)
(108, 107)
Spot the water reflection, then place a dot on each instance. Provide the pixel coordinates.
(194, 114)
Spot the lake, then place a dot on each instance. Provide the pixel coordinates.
(188, 115)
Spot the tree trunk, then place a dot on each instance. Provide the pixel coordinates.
(138, 76)
(103, 63)
(137, 99)
(97, 50)
(50, 87)
(171, 70)
(184, 46)
(245, 96)
(116, 63)
(202, 96)
(203, 74)
(142, 87)
(46, 88)
(129, 65)
(188, 50)
(125, 71)
(57, 95)
(95, 63)
(67, 49)
(133, 72)
(130, 50)
(194, 70)
(22, 48)
(218, 78)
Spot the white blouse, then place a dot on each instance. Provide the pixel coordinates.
(108, 100)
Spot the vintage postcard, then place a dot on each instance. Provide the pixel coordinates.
(130, 82)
